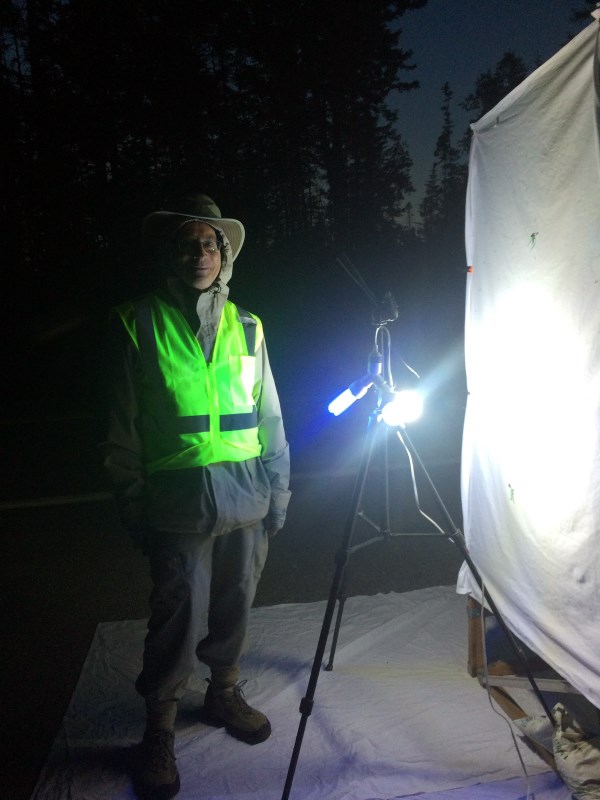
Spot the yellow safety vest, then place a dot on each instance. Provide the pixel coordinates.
(195, 412)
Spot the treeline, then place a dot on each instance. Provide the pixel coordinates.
(279, 111)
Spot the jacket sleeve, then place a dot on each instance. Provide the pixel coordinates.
(271, 433)
(122, 449)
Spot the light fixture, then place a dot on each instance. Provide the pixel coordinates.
(354, 392)
(404, 407)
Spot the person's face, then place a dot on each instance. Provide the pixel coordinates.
(197, 257)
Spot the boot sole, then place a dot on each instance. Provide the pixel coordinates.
(165, 792)
(145, 792)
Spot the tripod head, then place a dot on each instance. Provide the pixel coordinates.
(386, 311)
(383, 311)
(379, 370)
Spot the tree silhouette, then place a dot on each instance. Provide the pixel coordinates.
(585, 11)
(279, 111)
(119, 103)
(492, 86)
(443, 203)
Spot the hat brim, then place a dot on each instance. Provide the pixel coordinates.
(156, 224)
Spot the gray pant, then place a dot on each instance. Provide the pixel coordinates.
(203, 589)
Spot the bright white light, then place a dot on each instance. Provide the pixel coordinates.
(341, 403)
(407, 406)
(533, 409)
(354, 392)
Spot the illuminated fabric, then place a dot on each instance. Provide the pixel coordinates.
(531, 447)
(203, 412)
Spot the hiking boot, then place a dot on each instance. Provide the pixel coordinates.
(156, 775)
(227, 707)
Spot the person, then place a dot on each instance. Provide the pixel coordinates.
(197, 453)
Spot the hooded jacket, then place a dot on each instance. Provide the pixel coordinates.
(212, 499)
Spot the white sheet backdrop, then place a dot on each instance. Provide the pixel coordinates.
(531, 449)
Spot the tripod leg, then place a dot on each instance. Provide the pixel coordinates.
(307, 702)
(341, 597)
(343, 553)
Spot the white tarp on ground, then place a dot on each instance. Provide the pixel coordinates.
(397, 716)
(531, 450)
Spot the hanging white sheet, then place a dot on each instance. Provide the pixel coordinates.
(531, 447)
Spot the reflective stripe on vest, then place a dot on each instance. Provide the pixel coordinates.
(195, 412)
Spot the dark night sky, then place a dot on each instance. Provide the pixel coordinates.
(457, 40)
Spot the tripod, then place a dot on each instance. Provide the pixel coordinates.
(337, 593)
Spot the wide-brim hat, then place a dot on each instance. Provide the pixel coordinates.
(197, 208)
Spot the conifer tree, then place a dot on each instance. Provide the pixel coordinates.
(492, 86)
(282, 109)
(443, 201)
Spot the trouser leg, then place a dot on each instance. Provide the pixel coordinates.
(192, 578)
(160, 714)
(180, 568)
(237, 563)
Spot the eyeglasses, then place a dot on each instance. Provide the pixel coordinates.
(191, 247)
